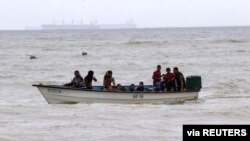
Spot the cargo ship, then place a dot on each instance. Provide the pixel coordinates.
(129, 25)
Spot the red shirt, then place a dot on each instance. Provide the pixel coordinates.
(156, 76)
(168, 76)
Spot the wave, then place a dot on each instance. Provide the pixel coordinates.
(230, 41)
(229, 97)
(139, 42)
(241, 51)
(8, 76)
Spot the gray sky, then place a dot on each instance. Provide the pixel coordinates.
(19, 14)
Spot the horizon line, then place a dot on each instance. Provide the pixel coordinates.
(160, 27)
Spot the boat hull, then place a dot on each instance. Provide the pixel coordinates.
(58, 95)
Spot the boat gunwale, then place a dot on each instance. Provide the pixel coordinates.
(128, 92)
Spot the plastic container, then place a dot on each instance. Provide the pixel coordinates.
(193, 82)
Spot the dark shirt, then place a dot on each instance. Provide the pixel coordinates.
(88, 81)
(179, 77)
(140, 88)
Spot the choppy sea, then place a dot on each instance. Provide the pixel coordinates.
(220, 55)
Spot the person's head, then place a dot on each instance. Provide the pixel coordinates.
(132, 86)
(77, 73)
(90, 73)
(158, 67)
(109, 73)
(119, 86)
(176, 70)
(141, 83)
(168, 69)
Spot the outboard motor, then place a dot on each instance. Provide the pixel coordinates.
(193, 82)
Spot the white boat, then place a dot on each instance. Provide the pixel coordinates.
(62, 95)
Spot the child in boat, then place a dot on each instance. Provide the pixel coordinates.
(108, 80)
(169, 80)
(141, 87)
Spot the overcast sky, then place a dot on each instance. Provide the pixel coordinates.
(19, 14)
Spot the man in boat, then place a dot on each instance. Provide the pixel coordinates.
(77, 81)
(88, 79)
(157, 78)
(169, 80)
(179, 80)
(108, 80)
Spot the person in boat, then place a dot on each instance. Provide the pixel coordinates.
(119, 87)
(157, 78)
(108, 80)
(77, 81)
(141, 87)
(88, 79)
(179, 80)
(132, 87)
(169, 80)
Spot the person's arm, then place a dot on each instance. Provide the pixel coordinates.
(104, 82)
(159, 78)
(113, 82)
(182, 83)
(164, 77)
(94, 79)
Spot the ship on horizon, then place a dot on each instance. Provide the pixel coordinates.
(92, 25)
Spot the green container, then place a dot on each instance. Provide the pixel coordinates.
(193, 82)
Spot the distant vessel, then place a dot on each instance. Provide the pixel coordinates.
(128, 25)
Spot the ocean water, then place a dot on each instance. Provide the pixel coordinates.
(220, 55)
